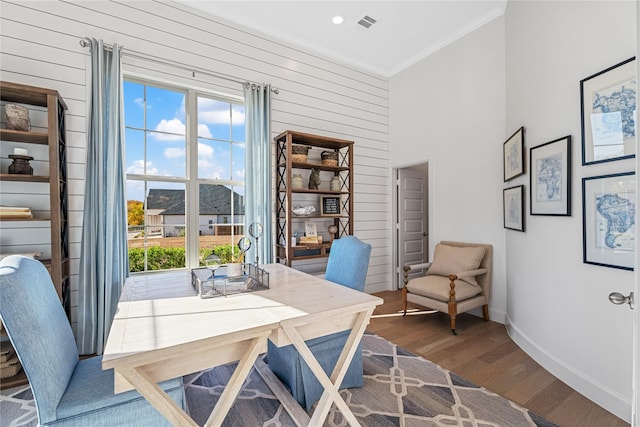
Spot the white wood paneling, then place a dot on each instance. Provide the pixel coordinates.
(40, 46)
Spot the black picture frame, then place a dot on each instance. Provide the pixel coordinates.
(513, 207)
(330, 206)
(513, 155)
(607, 104)
(608, 239)
(550, 180)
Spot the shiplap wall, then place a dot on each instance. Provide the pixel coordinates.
(39, 45)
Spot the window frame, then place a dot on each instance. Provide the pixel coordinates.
(191, 181)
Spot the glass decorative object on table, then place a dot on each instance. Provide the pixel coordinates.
(208, 286)
(256, 230)
(244, 244)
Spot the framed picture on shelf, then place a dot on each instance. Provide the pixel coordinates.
(310, 229)
(513, 205)
(608, 225)
(513, 155)
(550, 167)
(330, 206)
(608, 103)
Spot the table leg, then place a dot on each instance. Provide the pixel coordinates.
(235, 383)
(331, 385)
(151, 391)
(157, 397)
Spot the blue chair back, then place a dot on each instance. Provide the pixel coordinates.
(38, 329)
(348, 262)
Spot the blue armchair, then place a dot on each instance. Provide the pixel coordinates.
(67, 391)
(347, 265)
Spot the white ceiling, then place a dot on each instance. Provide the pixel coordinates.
(405, 31)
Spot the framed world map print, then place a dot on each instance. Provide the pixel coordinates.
(550, 166)
(608, 224)
(608, 103)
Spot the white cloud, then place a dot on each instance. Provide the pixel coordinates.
(204, 132)
(205, 150)
(174, 152)
(138, 168)
(217, 112)
(174, 126)
(140, 103)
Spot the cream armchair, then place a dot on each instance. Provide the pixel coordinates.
(457, 280)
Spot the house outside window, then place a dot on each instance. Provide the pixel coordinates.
(185, 156)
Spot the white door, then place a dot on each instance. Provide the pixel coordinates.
(412, 234)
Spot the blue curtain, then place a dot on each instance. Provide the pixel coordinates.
(258, 205)
(104, 262)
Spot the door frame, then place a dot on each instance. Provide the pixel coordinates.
(395, 283)
(635, 371)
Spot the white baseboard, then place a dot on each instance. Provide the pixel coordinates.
(584, 384)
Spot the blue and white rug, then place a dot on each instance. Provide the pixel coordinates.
(400, 389)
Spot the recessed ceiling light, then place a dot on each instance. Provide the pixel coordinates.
(337, 20)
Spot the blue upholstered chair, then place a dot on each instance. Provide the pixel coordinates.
(347, 265)
(67, 391)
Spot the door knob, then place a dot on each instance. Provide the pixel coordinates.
(617, 298)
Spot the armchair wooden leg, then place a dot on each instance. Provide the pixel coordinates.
(406, 270)
(404, 300)
(453, 306)
(485, 312)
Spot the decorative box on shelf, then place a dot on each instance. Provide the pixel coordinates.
(209, 283)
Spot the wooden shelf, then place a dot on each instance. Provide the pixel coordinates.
(23, 178)
(23, 136)
(307, 191)
(321, 167)
(19, 379)
(35, 219)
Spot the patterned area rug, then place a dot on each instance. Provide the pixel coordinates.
(401, 389)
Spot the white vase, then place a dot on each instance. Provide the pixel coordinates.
(297, 182)
(234, 269)
(335, 184)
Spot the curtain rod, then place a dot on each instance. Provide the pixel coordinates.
(85, 42)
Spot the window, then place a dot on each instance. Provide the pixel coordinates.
(185, 156)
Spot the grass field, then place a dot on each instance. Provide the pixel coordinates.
(178, 242)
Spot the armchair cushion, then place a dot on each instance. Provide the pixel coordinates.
(438, 287)
(453, 260)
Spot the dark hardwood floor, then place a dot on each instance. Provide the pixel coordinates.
(483, 353)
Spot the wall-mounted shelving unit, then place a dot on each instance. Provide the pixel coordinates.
(48, 102)
(289, 198)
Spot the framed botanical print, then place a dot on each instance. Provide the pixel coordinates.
(550, 168)
(608, 104)
(513, 155)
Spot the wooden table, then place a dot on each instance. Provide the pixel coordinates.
(163, 330)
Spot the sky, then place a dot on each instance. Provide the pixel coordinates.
(159, 118)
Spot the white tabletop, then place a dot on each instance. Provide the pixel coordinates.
(159, 311)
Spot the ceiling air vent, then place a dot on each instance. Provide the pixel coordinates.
(367, 21)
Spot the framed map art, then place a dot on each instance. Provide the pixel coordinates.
(513, 155)
(551, 178)
(608, 220)
(513, 206)
(608, 103)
